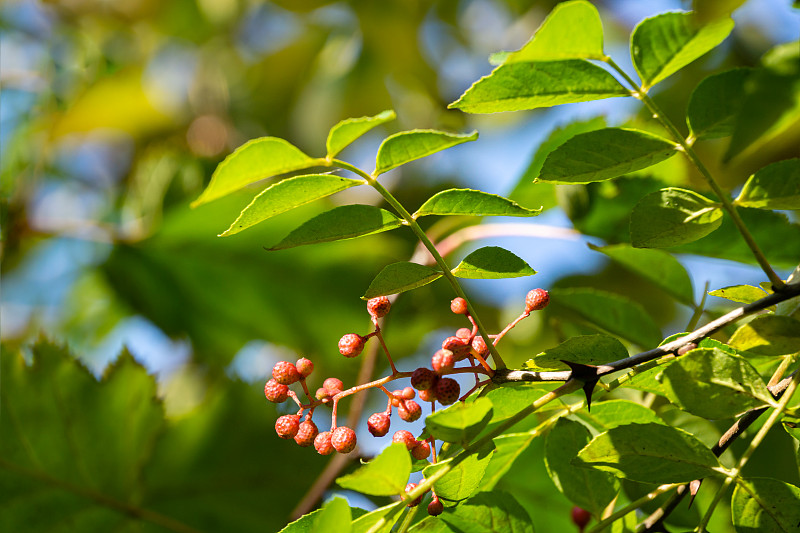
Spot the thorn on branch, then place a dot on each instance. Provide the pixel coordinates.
(587, 374)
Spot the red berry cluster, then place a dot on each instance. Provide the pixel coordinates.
(432, 384)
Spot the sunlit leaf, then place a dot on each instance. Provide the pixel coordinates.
(715, 103)
(613, 413)
(335, 515)
(604, 154)
(656, 266)
(585, 349)
(386, 475)
(288, 194)
(343, 222)
(573, 30)
(474, 203)
(673, 216)
(460, 422)
(765, 505)
(492, 262)
(348, 130)
(406, 146)
(400, 277)
(664, 44)
(649, 453)
(768, 335)
(253, 161)
(529, 85)
(744, 294)
(380, 520)
(489, 512)
(776, 186)
(464, 478)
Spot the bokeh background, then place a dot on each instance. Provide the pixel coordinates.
(113, 115)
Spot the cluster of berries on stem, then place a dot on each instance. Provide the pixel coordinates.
(432, 384)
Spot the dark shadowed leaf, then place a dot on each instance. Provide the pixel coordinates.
(474, 203)
(252, 162)
(288, 194)
(406, 146)
(671, 217)
(530, 85)
(585, 349)
(489, 512)
(400, 277)
(649, 453)
(765, 505)
(776, 186)
(348, 130)
(611, 312)
(664, 44)
(604, 154)
(343, 222)
(715, 103)
(768, 335)
(587, 488)
(492, 262)
(656, 266)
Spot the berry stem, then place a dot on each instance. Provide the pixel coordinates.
(510, 327)
(473, 389)
(378, 334)
(641, 93)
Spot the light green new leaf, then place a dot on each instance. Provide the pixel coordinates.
(530, 85)
(604, 154)
(573, 30)
(664, 44)
(343, 222)
(464, 478)
(334, 516)
(347, 131)
(610, 312)
(253, 161)
(768, 335)
(406, 146)
(304, 524)
(588, 488)
(649, 453)
(400, 277)
(473, 203)
(673, 216)
(386, 475)
(776, 186)
(715, 103)
(584, 349)
(512, 398)
(712, 384)
(489, 512)
(656, 266)
(743, 294)
(460, 422)
(288, 194)
(492, 262)
(765, 505)
(508, 448)
(614, 413)
(380, 520)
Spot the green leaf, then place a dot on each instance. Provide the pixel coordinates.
(768, 335)
(673, 216)
(706, 10)
(489, 512)
(765, 505)
(460, 422)
(587, 488)
(347, 131)
(253, 161)
(530, 85)
(380, 520)
(776, 186)
(406, 146)
(573, 30)
(614, 413)
(334, 516)
(464, 478)
(386, 475)
(343, 222)
(508, 448)
(492, 262)
(712, 384)
(743, 294)
(611, 312)
(400, 277)
(649, 453)
(604, 154)
(511, 398)
(656, 266)
(304, 524)
(288, 194)
(473, 203)
(664, 44)
(585, 349)
(715, 103)
(791, 424)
